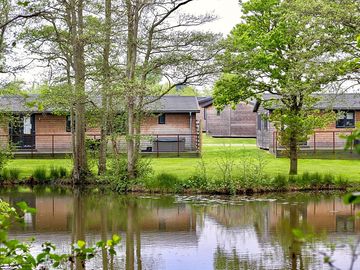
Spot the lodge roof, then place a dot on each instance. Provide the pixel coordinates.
(344, 101)
(175, 104)
(166, 104)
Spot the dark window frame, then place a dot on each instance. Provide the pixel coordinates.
(162, 119)
(68, 123)
(259, 122)
(344, 122)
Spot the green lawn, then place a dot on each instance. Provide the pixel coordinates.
(213, 150)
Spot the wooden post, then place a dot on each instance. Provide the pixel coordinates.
(52, 145)
(157, 145)
(178, 145)
(314, 142)
(32, 145)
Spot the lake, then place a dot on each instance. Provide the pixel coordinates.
(192, 232)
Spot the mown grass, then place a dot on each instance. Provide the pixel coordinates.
(213, 149)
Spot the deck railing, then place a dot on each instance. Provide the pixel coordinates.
(324, 140)
(61, 143)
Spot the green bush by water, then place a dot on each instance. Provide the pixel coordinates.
(165, 182)
(10, 174)
(40, 175)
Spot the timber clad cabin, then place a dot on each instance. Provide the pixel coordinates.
(347, 106)
(170, 127)
(240, 122)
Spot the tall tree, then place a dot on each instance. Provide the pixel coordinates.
(161, 44)
(282, 48)
(75, 10)
(105, 99)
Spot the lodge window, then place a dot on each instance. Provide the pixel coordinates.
(217, 112)
(204, 113)
(346, 119)
(68, 123)
(259, 122)
(161, 119)
(266, 124)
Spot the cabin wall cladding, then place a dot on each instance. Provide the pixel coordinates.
(52, 124)
(174, 124)
(240, 122)
(326, 140)
(4, 135)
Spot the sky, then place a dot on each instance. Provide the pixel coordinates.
(228, 12)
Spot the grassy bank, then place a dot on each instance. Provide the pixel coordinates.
(214, 151)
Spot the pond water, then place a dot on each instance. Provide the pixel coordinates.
(192, 232)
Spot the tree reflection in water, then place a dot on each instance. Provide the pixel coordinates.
(167, 233)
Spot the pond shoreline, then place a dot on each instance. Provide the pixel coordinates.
(136, 189)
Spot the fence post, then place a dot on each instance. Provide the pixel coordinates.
(314, 142)
(178, 145)
(32, 145)
(333, 142)
(52, 145)
(157, 145)
(276, 144)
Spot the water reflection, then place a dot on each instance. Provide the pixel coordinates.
(190, 232)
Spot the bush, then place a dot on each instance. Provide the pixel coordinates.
(14, 173)
(54, 173)
(63, 172)
(118, 174)
(10, 174)
(165, 182)
(280, 182)
(200, 179)
(40, 174)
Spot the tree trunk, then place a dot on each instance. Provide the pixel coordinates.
(293, 153)
(105, 89)
(131, 142)
(132, 34)
(80, 163)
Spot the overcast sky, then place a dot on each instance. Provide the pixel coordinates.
(228, 12)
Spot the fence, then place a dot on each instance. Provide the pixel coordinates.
(53, 144)
(332, 141)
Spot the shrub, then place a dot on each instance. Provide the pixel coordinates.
(118, 175)
(163, 182)
(167, 181)
(63, 172)
(54, 173)
(14, 173)
(40, 174)
(280, 182)
(226, 164)
(10, 174)
(328, 179)
(200, 179)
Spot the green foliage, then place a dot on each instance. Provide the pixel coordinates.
(16, 255)
(58, 172)
(280, 182)
(10, 174)
(200, 179)
(164, 182)
(353, 140)
(272, 51)
(117, 173)
(40, 174)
